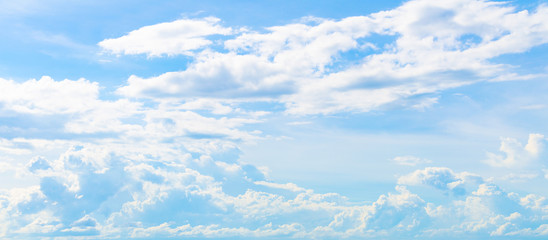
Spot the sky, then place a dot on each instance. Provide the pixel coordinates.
(417, 119)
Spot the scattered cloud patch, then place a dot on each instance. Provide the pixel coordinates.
(171, 38)
(189, 197)
(410, 160)
(441, 178)
(162, 160)
(47, 96)
(515, 155)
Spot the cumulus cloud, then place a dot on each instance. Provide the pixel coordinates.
(74, 107)
(441, 178)
(170, 190)
(142, 168)
(485, 210)
(436, 46)
(170, 38)
(187, 197)
(215, 75)
(177, 173)
(516, 155)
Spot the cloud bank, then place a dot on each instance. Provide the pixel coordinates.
(201, 196)
(170, 173)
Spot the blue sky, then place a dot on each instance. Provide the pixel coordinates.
(413, 119)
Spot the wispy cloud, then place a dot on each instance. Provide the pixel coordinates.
(410, 160)
(171, 38)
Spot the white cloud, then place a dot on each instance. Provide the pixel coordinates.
(436, 46)
(518, 156)
(156, 168)
(74, 107)
(15, 147)
(302, 47)
(47, 96)
(165, 123)
(410, 160)
(425, 103)
(170, 38)
(441, 178)
(288, 186)
(105, 116)
(203, 103)
(215, 75)
(159, 196)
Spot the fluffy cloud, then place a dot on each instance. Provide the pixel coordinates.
(441, 178)
(436, 46)
(171, 38)
(47, 96)
(74, 107)
(160, 168)
(173, 173)
(214, 75)
(174, 194)
(483, 210)
(518, 156)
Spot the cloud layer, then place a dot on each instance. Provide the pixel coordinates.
(161, 158)
(169, 172)
(354, 64)
(144, 195)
